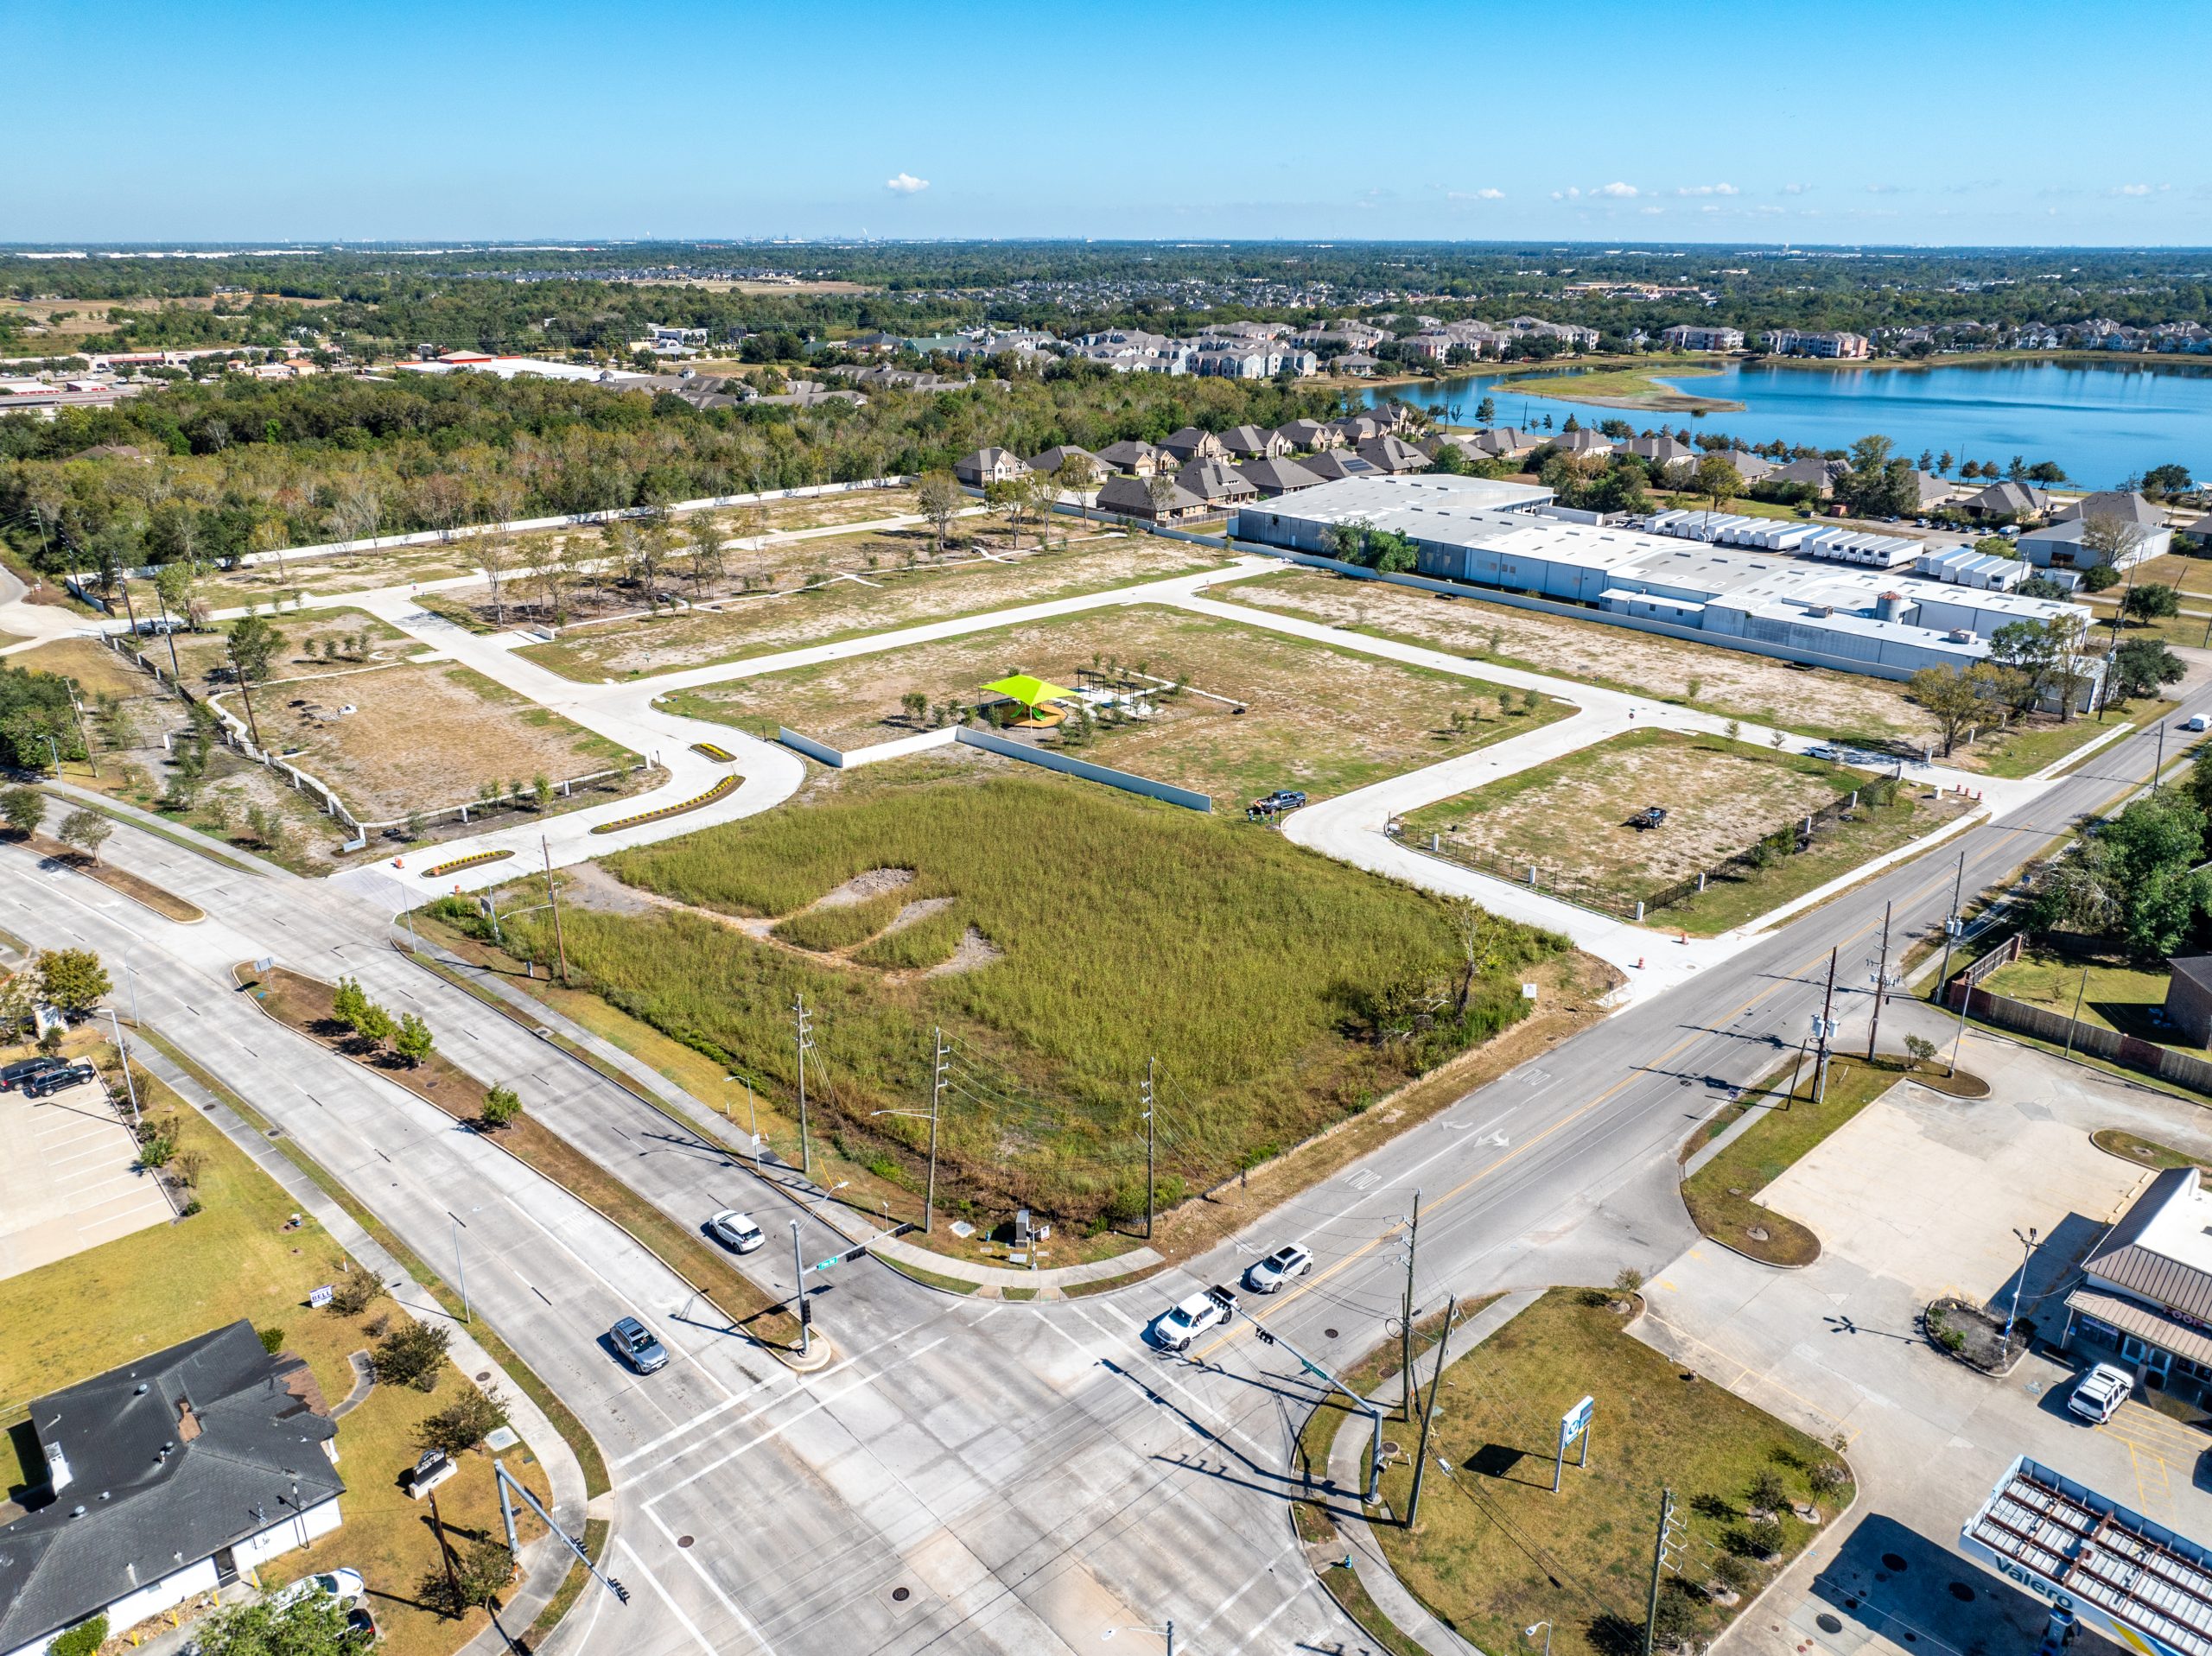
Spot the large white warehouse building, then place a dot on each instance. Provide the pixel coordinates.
(1507, 537)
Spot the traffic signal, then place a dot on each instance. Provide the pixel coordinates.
(617, 1590)
(1265, 1338)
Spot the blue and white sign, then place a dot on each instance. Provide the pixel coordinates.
(1575, 1424)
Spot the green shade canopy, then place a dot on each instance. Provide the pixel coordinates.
(1029, 691)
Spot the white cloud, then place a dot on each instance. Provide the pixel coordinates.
(1707, 189)
(1796, 189)
(1570, 193)
(905, 184)
(1482, 194)
(1620, 190)
(2130, 189)
(1883, 189)
(1651, 210)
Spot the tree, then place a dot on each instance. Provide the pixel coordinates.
(2114, 540)
(1482, 938)
(374, 1025)
(2150, 601)
(2156, 844)
(83, 1639)
(413, 1041)
(1996, 546)
(410, 1355)
(495, 555)
(1485, 412)
(347, 1003)
(314, 1625)
(501, 1107)
(479, 1577)
(252, 645)
(1953, 700)
(1718, 480)
(2139, 666)
(463, 1424)
(24, 810)
(72, 980)
(2163, 480)
(86, 831)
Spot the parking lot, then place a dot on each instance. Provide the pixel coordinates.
(1917, 1197)
(69, 1178)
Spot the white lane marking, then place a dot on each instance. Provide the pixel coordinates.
(1267, 1620)
(712, 1586)
(675, 1432)
(1257, 1576)
(674, 1609)
(1210, 1409)
(778, 1430)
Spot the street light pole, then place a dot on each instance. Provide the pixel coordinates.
(2027, 1252)
(461, 1267)
(123, 1052)
(1530, 1633)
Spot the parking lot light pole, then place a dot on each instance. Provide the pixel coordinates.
(751, 1116)
(123, 1052)
(2027, 1252)
(1531, 1632)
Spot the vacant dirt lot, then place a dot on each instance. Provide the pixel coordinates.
(1315, 718)
(97, 670)
(886, 599)
(1722, 680)
(1570, 818)
(270, 584)
(419, 737)
(315, 641)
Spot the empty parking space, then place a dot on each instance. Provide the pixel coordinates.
(69, 1178)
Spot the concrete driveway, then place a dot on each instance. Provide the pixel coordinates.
(1919, 1196)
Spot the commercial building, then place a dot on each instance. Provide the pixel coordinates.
(2146, 1293)
(2133, 522)
(165, 1478)
(1684, 336)
(1509, 537)
(1790, 342)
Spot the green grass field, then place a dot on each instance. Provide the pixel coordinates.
(2115, 995)
(1496, 1551)
(1279, 991)
(79, 1317)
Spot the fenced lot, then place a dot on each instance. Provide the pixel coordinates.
(1314, 718)
(1735, 813)
(1061, 936)
(419, 737)
(869, 599)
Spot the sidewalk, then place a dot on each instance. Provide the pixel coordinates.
(206, 844)
(545, 1563)
(1381, 1582)
(786, 1180)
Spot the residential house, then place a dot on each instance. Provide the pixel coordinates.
(2066, 541)
(1358, 428)
(1255, 442)
(1332, 464)
(1792, 342)
(1502, 443)
(1216, 483)
(1668, 454)
(1302, 435)
(1749, 466)
(1816, 473)
(1191, 443)
(1581, 440)
(165, 1478)
(2145, 1296)
(1393, 454)
(1137, 458)
(1570, 334)
(988, 465)
(1931, 490)
(1052, 460)
(1131, 497)
(1357, 365)
(2009, 500)
(1427, 346)
(1273, 478)
(1687, 336)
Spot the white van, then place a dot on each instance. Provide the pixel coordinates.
(2200, 721)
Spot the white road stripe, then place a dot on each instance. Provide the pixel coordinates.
(674, 1608)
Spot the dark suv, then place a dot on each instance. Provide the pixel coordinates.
(20, 1073)
(55, 1080)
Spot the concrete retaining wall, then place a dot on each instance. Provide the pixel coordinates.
(1127, 781)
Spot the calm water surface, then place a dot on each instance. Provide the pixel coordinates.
(2103, 422)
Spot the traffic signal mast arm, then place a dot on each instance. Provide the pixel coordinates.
(1268, 1337)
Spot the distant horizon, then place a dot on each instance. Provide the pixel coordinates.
(243, 246)
(1895, 125)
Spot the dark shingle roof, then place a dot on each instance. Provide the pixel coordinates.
(170, 1459)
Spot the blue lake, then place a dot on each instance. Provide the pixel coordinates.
(2103, 422)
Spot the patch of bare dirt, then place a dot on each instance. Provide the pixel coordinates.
(914, 912)
(876, 882)
(975, 952)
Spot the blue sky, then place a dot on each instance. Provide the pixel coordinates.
(1929, 122)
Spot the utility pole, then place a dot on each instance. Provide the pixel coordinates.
(1428, 1414)
(1881, 984)
(445, 1554)
(245, 694)
(798, 1275)
(560, 942)
(1827, 1028)
(1406, 1319)
(804, 1037)
(93, 759)
(1658, 1563)
(937, 1102)
(176, 673)
(1951, 928)
(1149, 1065)
(2157, 764)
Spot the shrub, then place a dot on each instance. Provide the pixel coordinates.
(1764, 1536)
(156, 1149)
(82, 1639)
(411, 1354)
(480, 1574)
(354, 1292)
(413, 1040)
(1827, 1477)
(1767, 1494)
(1920, 1047)
(463, 1424)
(1629, 1283)
(190, 1164)
(272, 1340)
(1735, 1572)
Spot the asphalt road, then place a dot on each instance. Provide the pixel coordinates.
(1030, 1476)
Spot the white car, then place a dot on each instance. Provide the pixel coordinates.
(1186, 1320)
(736, 1231)
(1292, 1259)
(344, 1585)
(2101, 1392)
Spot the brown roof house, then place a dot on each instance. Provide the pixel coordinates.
(988, 465)
(1132, 496)
(1191, 443)
(1137, 458)
(1255, 442)
(1216, 483)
